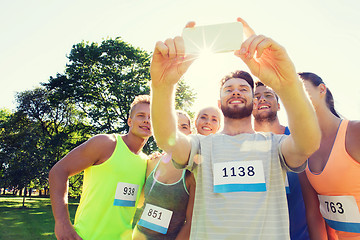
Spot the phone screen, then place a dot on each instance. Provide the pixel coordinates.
(216, 38)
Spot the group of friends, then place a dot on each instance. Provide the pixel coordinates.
(265, 181)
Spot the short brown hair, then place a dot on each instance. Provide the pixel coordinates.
(139, 99)
(238, 74)
(260, 84)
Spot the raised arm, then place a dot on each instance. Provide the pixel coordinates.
(274, 68)
(87, 154)
(168, 65)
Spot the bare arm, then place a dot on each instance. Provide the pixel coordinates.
(352, 141)
(275, 69)
(185, 230)
(168, 64)
(87, 154)
(315, 221)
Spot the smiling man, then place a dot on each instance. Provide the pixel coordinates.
(265, 111)
(240, 189)
(266, 120)
(114, 174)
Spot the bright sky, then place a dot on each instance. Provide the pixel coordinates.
(320, 36)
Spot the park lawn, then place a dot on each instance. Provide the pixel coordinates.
(35, 221)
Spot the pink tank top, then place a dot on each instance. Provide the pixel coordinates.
(338, 186)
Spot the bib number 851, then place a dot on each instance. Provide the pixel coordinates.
(154, 214)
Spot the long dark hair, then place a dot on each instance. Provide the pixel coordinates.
(316, 81)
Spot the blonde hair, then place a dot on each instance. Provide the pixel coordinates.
(139, 99)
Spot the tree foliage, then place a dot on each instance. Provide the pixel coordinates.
(102, 80)
(92, 96)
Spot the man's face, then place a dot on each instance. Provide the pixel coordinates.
(266, 106)
(236, 99)
(139, 122)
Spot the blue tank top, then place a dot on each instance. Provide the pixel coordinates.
(297, 216)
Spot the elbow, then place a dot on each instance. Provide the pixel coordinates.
(313, 145)
(52, 173)
(165, 142)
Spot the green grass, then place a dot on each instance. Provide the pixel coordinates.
(35, 221)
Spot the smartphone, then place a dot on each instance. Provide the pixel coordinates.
(216, 38)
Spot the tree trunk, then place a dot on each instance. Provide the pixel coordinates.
(23, 203)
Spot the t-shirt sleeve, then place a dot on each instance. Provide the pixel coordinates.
(280, 139)
(195, 149)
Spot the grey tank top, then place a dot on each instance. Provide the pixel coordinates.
(173, 197)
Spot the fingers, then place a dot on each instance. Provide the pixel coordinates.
(255, 43)
(190, 24)
(171, 48)
(249, 47)
(246, 28)
(179, 46)
(264, 44)
(170, 43)
(161, 48)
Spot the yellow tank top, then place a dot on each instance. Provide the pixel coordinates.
(110, 194)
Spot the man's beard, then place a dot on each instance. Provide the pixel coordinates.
(237, 113)
(267, 117)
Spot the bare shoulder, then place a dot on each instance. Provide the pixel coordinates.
(152, 160)
(103, 139)
(352, 141)
(102, 146)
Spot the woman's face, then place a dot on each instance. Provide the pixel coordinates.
(313, 92)
(208, 121)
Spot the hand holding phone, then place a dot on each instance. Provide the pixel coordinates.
(216, 38)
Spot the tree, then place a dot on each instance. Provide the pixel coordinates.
(102, 81)
(18, 140)
(36, 136)
(62, 127)
(5, 114)
(92, 96)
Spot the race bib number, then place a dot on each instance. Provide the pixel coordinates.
(239, 176)
(340, 212)
(126, 194)
(155, 218)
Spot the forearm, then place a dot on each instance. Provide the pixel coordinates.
(163, 116)
(316, 228)
(59, 195)
(315, 221)
(303, 123)
(184, 232)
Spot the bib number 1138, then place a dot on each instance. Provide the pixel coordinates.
(239, 176)
(240, 171)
